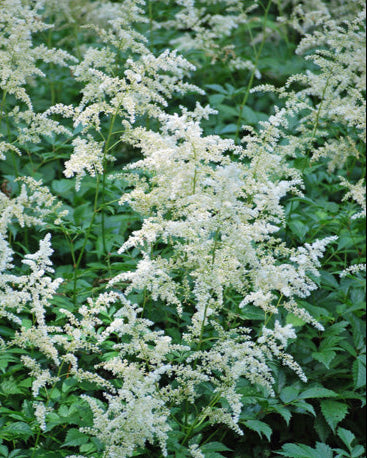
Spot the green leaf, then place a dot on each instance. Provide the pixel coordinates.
(63, 186)
(215, 447)
(294, 320)
(259, 427)
(9, 387)
(334, 412)
(359, 372)
(298, 451)
(358, 451)
(304, 406)
(325, 357)
(229, 129)
(216, 99)
(17, 454)
(16, 430)
(324, 451)
(299, 229)
(284, 412)
(317, 392)
(75, 438)
(289, 394)
(249, 116)
(322, 428)
(347, 437)
(217, 88)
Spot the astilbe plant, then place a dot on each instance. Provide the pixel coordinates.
(209, 247)
(338, 85)
(203, 30)
(20, 58)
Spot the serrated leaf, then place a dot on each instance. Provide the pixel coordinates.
(289, 394)
(216, 99)
(249, 116)
(217, 88)
(322, 428)
(358, 451)
(298, 451)
(215, 447)
(299, 229)
(303, 405)
(9, 387)
(334, 412)
(259, 427)
(325, 357)
(16, 430)
(229, 129)
(63, 186)
(284, 412)
(317, 392)
(324, 451)
(347, 437)
(294, 320)
(75, 438)
(359, 373)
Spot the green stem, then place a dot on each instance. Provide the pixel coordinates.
(150, 11)
(215, 248)
(52, 84)
(199, 421)
(253, 73)
(319, 109)
(48, 401)
(104, 176)
(89, 230)
(2, 106)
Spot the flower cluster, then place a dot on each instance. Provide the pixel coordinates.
(205, 24)
(19, 56)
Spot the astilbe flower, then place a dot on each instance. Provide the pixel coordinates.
(31, 207)
(19, 58)
(338, 86)
(307, 15)
(207, 25)
(84, 12)
(29, 290)
(216, 207)
(145, 84)
(136, 412)
(203, 202)
(332, 95)
(338, 48)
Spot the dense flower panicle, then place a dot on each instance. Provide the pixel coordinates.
(200, 203)
(31, 207)
(19, 58)
(145, 84)
(100, 12)
(18, 21)
(143, 418)
(31, 293)
(203, 203)
(88, 156)
(203, 30)
(356, 192)
(308, 15)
